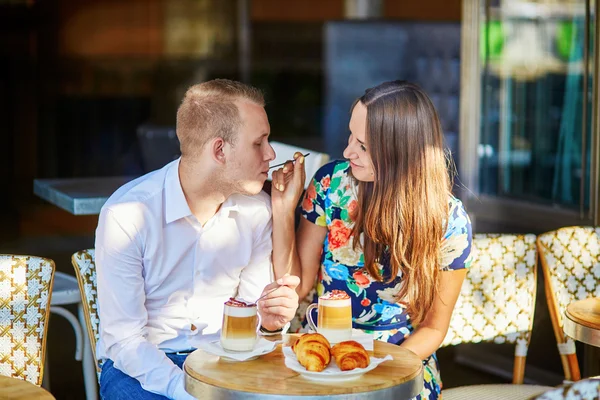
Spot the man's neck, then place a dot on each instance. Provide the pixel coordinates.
(204, 195)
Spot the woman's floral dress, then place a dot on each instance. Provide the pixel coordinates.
(329, 202)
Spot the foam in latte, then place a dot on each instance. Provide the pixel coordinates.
(240, 323)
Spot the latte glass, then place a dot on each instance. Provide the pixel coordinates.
(334, 316)
(241, 323)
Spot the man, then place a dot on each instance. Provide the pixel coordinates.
(175, 244)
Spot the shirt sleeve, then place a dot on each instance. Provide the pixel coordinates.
(123, 316)
(315, 198)
(259, 271)
(456, 245)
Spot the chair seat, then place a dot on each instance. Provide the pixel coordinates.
(494, 392)
(65, 290)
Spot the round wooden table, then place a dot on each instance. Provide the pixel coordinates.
(582, 321)
(18, 389)
(208, 377)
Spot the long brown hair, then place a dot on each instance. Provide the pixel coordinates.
(403, 212)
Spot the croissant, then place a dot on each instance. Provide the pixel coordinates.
(349, 355)
(312, 351)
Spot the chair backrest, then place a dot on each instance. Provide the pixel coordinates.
(85, 270)
(571, 265)
(497, 300)
(312, 163)
(586, 389)
(25, 294)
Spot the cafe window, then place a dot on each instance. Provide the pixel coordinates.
(533, 142)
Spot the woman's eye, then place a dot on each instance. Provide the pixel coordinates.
(363, 148)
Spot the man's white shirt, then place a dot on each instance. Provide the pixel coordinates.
(161, 273)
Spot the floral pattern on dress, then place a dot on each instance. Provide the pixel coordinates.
(329, 202)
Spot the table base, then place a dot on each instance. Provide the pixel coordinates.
(406, 390)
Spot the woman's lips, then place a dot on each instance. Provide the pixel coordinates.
(355, 165)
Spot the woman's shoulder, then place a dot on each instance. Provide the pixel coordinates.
(456, 208)
(334, 167)
(456, 245)
(332, 175)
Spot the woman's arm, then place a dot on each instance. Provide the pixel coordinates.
(297, 253)
(428, 336)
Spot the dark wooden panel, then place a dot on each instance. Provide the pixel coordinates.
(428, 10)
(296, 10)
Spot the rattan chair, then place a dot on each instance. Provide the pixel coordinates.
(497, 304)
(25, 295)
(85, 270)
(571, 265)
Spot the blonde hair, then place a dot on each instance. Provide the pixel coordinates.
(404, 211)
(208, 111)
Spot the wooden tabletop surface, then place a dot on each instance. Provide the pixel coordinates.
(269, 375)
(585, 312)
(18, 389)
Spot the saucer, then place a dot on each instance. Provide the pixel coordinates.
(229, 359)
(261, 348)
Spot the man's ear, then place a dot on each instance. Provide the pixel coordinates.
(217, 149)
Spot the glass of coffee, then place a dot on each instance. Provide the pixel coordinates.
(334, 316)
(241, 323)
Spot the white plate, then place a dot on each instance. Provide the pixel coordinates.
(263, 347)
(331, 373)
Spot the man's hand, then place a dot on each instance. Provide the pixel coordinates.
(288, 184)
(279, 307)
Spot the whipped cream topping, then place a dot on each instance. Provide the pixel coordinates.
(238, 303)
(335, 295)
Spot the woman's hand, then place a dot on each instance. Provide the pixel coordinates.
(287, 185)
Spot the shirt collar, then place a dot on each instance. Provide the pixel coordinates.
(176, 205)
(228, 206)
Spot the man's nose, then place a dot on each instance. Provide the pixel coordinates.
(270, 153)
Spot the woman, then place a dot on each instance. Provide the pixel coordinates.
(381, 225)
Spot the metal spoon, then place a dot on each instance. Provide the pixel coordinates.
(283, 163)
(266, 294)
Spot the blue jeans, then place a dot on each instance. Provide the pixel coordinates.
(115, 385)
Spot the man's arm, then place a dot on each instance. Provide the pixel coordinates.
(279, 307)
(259, 271)
(123, 315)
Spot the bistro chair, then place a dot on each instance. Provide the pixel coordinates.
(25, 295)
(497, 304)
(85, 270)
(571, 265)
(65, 291)
(585, 389)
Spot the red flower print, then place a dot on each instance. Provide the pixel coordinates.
(339, 234)
(325, 182)
(352, 207)
(365, 302)
(311, 194)
(361, 280)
